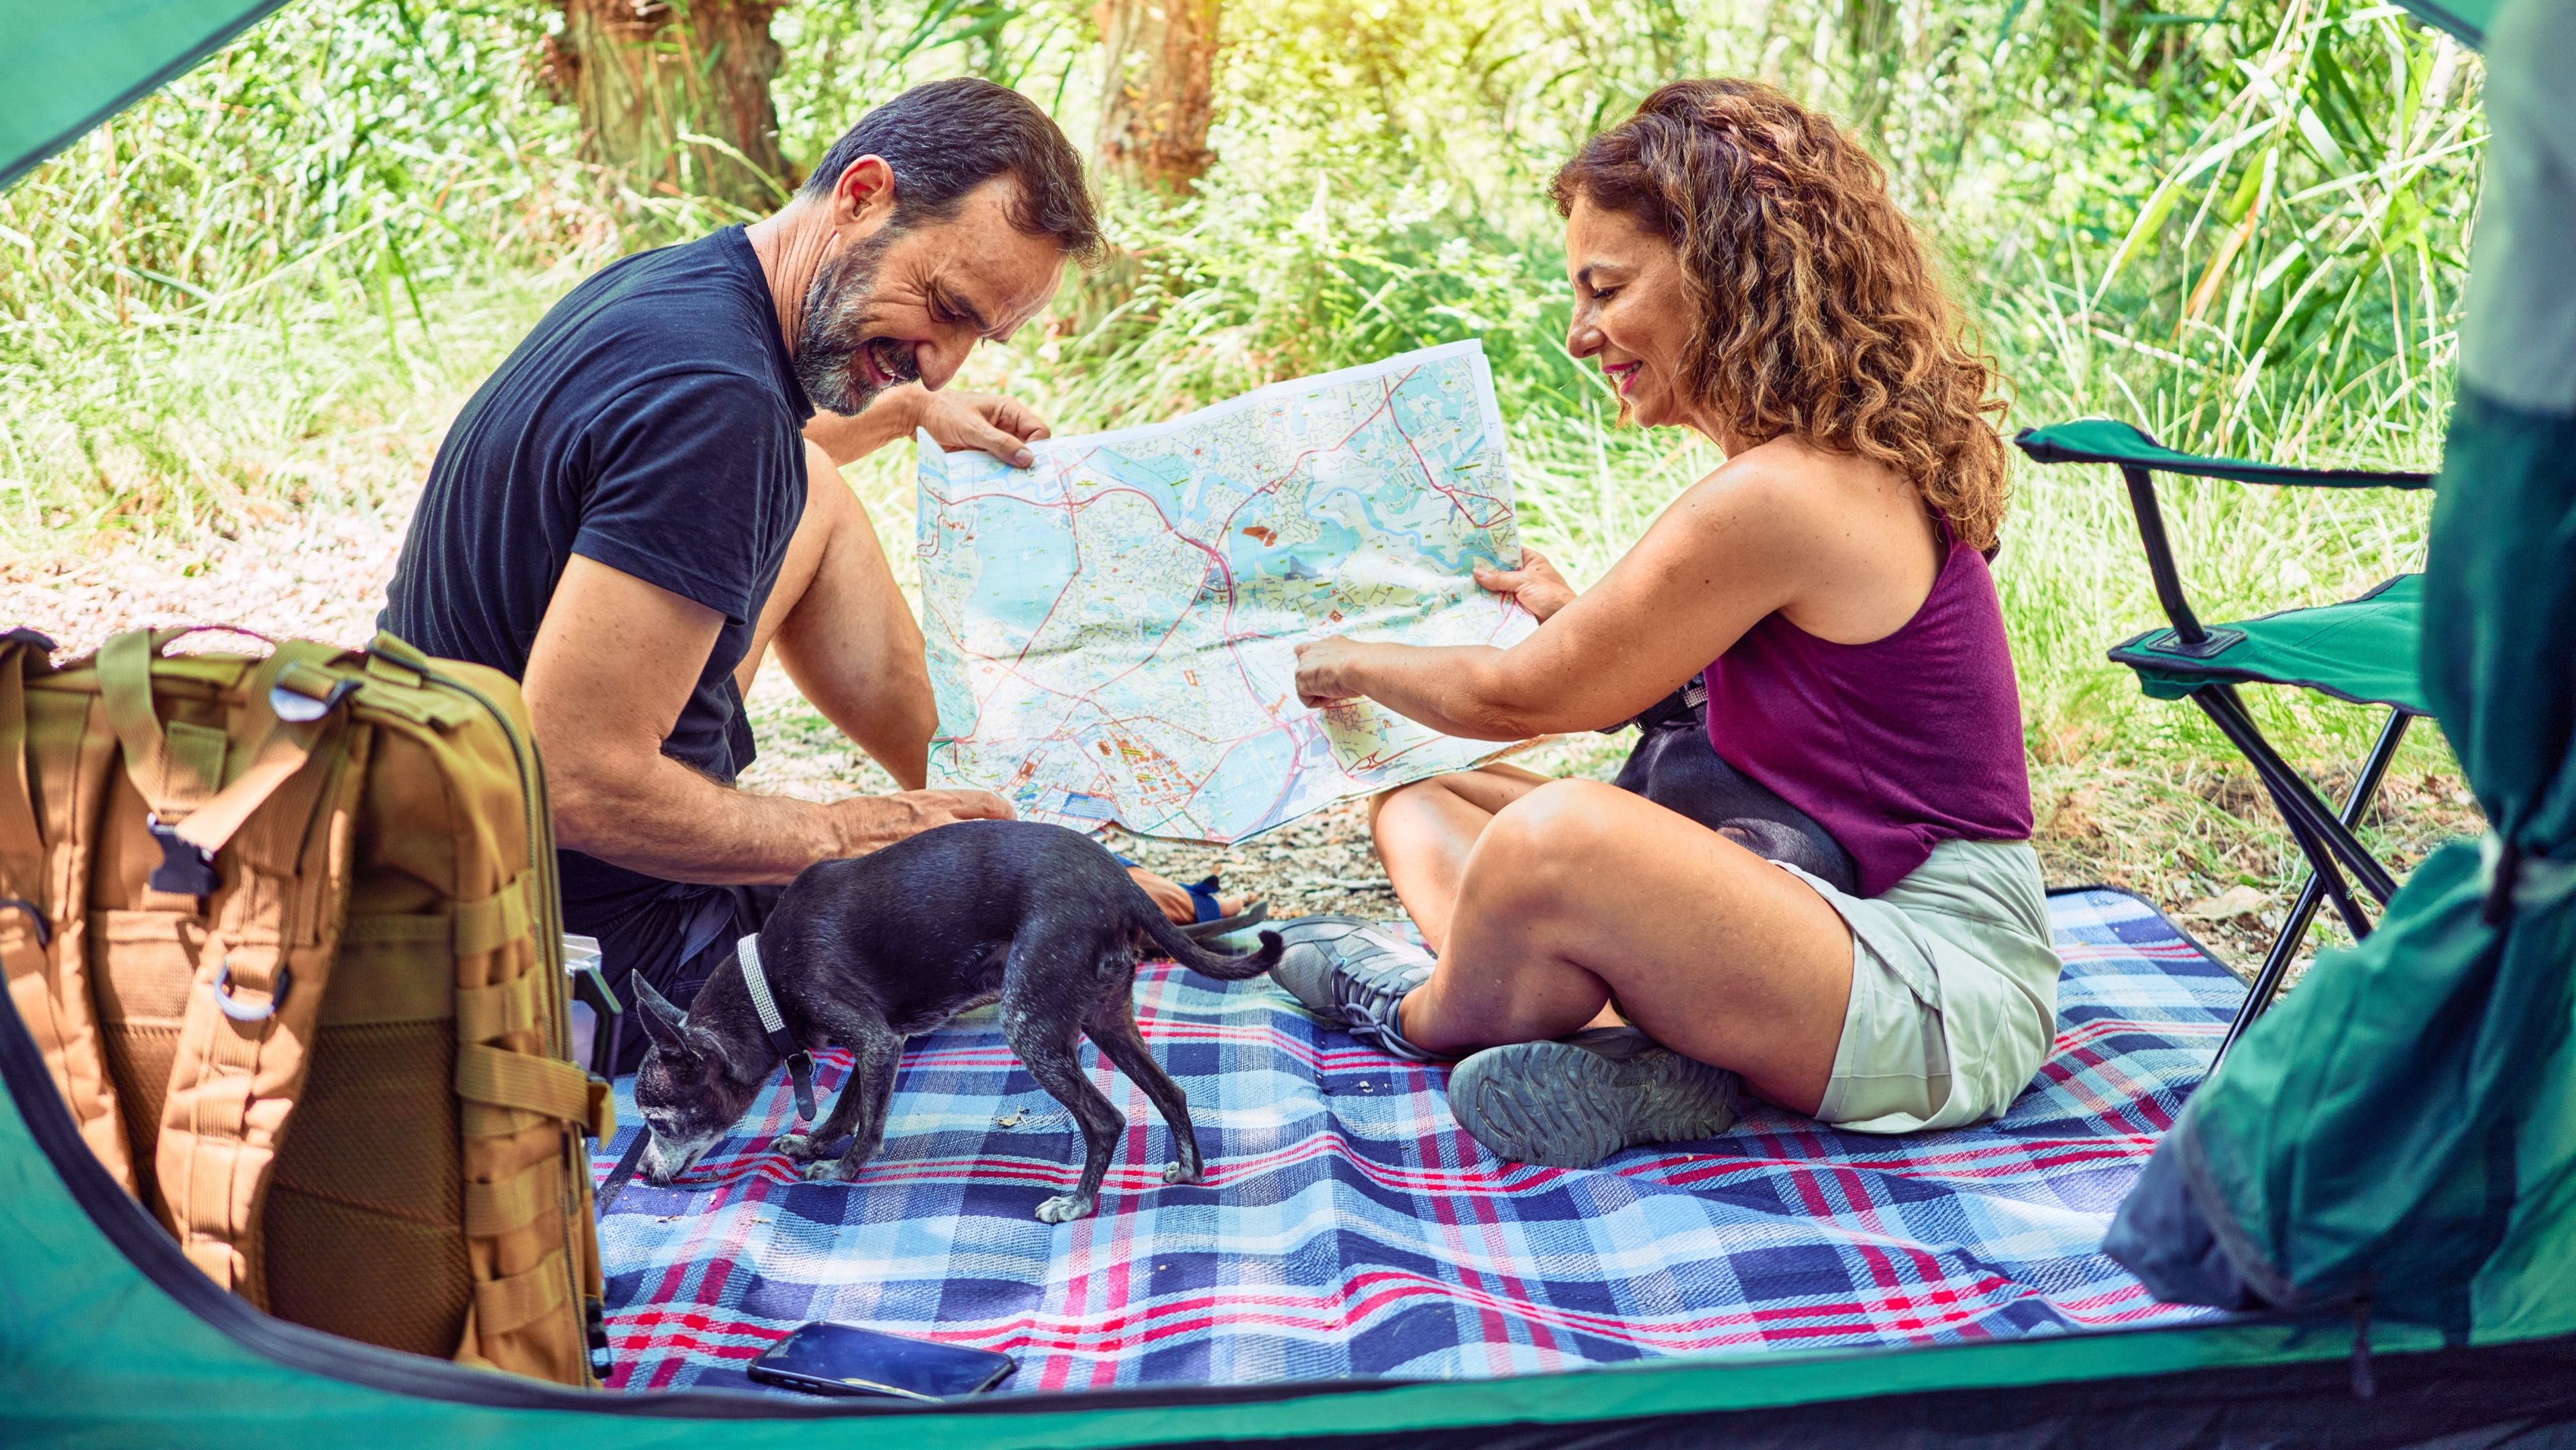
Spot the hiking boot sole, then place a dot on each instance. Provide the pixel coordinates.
(1560, 1106)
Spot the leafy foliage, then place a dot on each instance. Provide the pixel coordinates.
(2245, 230)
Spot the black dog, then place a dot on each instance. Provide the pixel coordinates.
(1675, 767)
(867, 952)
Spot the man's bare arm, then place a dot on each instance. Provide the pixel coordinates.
(613, 664)
(1003, 427)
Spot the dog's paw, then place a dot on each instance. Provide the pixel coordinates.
(799, 1146)
(830, 1170)
(1066, 1207)
(1184, 1173)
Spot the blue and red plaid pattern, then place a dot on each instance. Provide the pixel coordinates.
(1348, 1227)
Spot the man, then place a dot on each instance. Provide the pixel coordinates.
(645, 499)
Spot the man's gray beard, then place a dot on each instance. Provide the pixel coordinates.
(837, 304)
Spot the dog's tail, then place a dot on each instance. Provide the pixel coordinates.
(1159, 929)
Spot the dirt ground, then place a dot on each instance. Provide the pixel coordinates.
(2190, 838)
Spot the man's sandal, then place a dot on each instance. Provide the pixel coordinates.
(1213, 922)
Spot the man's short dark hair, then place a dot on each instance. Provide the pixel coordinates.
(946, 138)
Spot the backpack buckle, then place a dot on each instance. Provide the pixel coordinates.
(239, 1010)
(186, 869)
(44, 928)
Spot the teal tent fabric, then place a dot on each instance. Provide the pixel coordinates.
(2467, 19)
(2362, 650)
(68, 66)
(2401, 1132)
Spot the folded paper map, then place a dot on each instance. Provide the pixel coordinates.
(1113, 631)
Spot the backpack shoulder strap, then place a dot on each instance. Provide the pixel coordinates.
(52, 777)
(245, 1041)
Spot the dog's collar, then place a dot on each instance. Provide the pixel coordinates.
(800, 1063)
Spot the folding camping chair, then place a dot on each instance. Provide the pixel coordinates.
(2362, 650)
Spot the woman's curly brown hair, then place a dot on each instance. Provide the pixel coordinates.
(1821, 316)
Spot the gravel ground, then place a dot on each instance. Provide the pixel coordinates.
(2180, 835)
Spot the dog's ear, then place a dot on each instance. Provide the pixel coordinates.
(662, 1022)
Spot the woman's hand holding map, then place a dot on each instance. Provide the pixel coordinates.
(1325, 667)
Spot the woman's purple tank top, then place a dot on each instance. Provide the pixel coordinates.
(1893, 746)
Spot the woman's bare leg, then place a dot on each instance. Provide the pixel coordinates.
(1424, 831)
(1579, 890)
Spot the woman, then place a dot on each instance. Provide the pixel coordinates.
(1739, 270)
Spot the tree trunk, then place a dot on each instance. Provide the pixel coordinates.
(1158, 90)
(644, 73)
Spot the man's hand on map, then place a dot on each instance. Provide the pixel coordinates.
(1535, 584)
(988, 422)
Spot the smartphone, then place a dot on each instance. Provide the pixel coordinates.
(838, 1359)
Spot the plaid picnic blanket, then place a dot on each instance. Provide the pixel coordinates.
(1348, 1227)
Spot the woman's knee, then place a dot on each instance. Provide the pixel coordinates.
(1541, 847)
(1409, 808)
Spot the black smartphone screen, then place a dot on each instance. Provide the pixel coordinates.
(837, 1359)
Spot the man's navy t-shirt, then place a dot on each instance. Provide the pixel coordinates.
(652, 422)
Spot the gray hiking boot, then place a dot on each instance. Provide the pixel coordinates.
(1352, 974)
(1572, 1103)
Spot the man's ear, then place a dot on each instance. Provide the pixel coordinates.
(662, 1022)
(864, 194)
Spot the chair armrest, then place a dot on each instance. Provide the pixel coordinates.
(2106, 440)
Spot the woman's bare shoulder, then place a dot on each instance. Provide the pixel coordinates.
(1843, 543)
(1789, 488)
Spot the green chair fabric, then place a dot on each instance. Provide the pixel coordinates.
(2362, 650)
(2107, 440)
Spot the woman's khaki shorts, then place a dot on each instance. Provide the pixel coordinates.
(1954, 991)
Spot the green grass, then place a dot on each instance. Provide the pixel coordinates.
(267, 288)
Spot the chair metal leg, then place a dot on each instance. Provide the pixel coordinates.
(2321, 859)
(2285, 948)
(2307, 815)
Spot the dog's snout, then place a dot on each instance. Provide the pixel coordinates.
(661, 1162)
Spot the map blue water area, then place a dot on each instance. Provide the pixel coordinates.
(1260, 765)
(1319, 557)
(1470, 548)
(1026, 556)
(1179, 489)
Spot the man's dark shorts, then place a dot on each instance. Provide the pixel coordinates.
(676, 941)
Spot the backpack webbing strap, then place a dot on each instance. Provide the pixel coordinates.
(521, 1299)
(19, 836)
(179, 770)
(547, 1086)
(244, 1049)
(497, 1208)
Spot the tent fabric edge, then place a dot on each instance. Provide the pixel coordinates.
(18, 167)
(417, 1389)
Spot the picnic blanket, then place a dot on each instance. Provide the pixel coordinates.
(1348, 1227)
